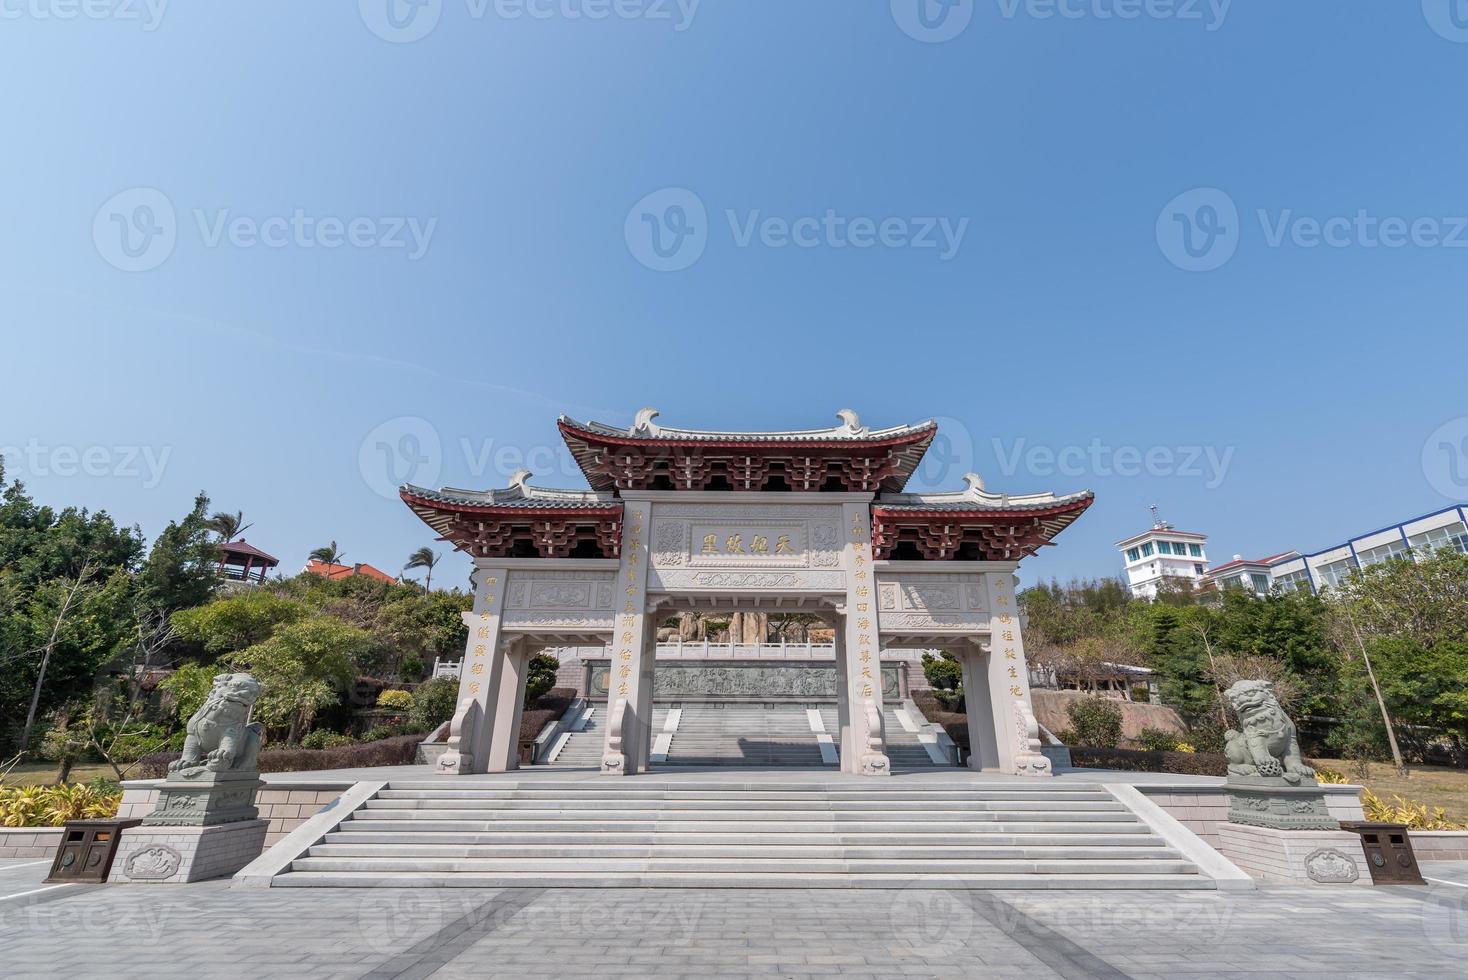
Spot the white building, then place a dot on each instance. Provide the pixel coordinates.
(1447, 528)
(1163, 552)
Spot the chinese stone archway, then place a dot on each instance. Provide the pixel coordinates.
(680, 519)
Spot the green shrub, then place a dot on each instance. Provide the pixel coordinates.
(944, 673)
(395, 700)
(413, 668)
(1097, 722)
(542, 676)
(1067, 736)
(324, 739)
(379, 732)
(951, 700)
(1130, 760)
(1157, 740)
(434, 703)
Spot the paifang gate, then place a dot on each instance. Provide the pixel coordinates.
(681, 519)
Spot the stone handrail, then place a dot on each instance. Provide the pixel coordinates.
(615, 759)
(457, 758)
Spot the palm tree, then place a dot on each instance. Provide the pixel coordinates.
(328, 555)
(228, 526)
(424, 558)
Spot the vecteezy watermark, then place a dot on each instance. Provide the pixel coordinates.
(1198, 231)
(933, 21)
(406, 21)
(1209, 13)
(409, 449)
(147, 14)
(35, 459)
(1201, 230)
(1449, 18)
(1207, 463)
(403, 450)
(136, 230)
(1445, 459)
(669, 229)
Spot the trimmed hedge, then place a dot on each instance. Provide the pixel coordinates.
(399, 751)
(547, 708)
(1133, 760)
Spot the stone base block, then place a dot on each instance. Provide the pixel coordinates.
(176, 855)
(1296, 857)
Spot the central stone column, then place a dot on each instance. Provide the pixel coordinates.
(629, 689)
(858, 654)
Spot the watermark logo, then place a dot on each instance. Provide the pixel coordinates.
(1449, 18)
(1210, 13)
(406, 21)
(145, 464)
(135, 230)
(933, 21)
(1199, 231)
(1445, 459)
(936, 922)
(668, 230)
(147, 14)
(395, 921)
(403, 450)
(949, 457)
(401, 21)
(1209, 464)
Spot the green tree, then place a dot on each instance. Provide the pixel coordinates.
(189, 687)
(228, 526)
(303, 667)
(424, 558)
(328, 554)
(237, 621)
(180, 570)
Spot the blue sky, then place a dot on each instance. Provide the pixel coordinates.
(246, 246)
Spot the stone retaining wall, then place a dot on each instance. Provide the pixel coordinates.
(1440, 845)
(1204, 809)
(285, 805)
(29, 842)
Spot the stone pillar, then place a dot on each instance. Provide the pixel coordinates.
(983, 740)
(478, 675)
(858, 659)
(507, 694)
(1006, 687)
(629, 688)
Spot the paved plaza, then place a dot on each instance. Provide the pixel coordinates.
(215, 930)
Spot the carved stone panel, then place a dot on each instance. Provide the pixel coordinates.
(952, 602)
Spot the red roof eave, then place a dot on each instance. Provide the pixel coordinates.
(948, 514)
(610, 510)
(571, 432)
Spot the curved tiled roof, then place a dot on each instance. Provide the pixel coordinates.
(850, 430)
(519, 494)
(975, 499)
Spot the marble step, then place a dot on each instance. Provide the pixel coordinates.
(573, 879)
(661, 849)
(1140, 838)
(694, 827)
(597, 797)
(745, 865)
(743, 785)
(938, 810)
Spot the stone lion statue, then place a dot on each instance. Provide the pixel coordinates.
(220, 737)
(1267, 746)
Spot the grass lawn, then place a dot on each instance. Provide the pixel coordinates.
(1433, 785)
(44, 774)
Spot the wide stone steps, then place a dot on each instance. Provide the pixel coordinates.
(718, 832)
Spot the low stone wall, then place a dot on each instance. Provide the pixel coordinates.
(1440, 845)
(29, 842)
(1204, 809)
(285, 805)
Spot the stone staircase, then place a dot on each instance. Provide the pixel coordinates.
(693, 830)
(744, 735)
(904, 748)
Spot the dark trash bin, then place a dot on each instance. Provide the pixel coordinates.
(1389, 853)
(86, 850)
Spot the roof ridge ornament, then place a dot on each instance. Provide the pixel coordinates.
(975, 484)
(853, 422)
(643, 424)
(519, 480)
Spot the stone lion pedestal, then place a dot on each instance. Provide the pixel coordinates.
(1279, 828)
(205, 824)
